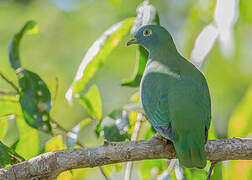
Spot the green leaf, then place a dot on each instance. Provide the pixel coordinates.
(28, 144)
(150, 169)
(240, 122)
(84, 122)
(211, 132)
(113, 126)
(143, 57)
(4, 156)
(97, 54)
(92, 102)
(8, 156)
(217, 172)
(56, 143)
(14, 58)
(35, 100)
(146, 14)
(4, 126)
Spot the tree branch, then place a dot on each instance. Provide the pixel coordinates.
(52, 163)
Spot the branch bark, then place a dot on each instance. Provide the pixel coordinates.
(52, 163)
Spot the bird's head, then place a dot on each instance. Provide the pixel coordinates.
(152, 37)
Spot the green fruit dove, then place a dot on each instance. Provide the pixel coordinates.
(175, 96)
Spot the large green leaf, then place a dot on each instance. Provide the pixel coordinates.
(28, 143)
(8, 110)
(35, 98)
(3, 126)
(92, 102)
(113, 126)
(8, 156)
(97, 54)
(146, 14)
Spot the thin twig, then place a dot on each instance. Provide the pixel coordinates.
(129, 166)
(56, 90)
(58, 126)
(9, 82)
(210, 170)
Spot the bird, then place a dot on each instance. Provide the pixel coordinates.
(175, 96)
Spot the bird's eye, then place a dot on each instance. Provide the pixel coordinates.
(147, 32)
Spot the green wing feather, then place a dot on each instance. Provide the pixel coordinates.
(180, 110)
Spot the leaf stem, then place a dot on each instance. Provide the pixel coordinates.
(9, 82)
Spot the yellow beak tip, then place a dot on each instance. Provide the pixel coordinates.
(132, 41)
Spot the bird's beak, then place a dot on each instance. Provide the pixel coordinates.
(132, 41)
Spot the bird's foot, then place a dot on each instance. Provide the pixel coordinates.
(160, 138)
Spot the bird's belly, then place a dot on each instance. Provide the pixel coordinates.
(164, 98)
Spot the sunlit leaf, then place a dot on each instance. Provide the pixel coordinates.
(66, 175)
(28, 143)
(8, 156)
(84, 122)
(211, 132)
(146, 14)
(240, 122)
(56, 143)
(108, 169)
(92, 102)
(97, 54)
(3, 126)
(35, 98)
(9, 107)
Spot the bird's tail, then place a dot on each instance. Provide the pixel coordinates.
(191, 151)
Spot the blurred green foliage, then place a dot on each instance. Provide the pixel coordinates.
(66, 31)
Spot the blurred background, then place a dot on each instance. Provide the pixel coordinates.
(216, 35)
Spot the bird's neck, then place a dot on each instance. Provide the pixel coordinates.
(167, 55)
